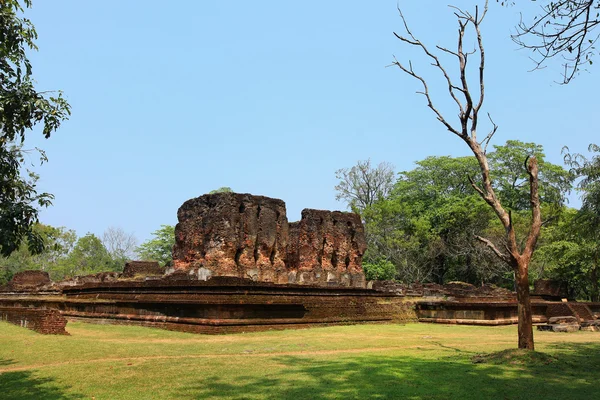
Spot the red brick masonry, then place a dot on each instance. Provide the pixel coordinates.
(45, 321)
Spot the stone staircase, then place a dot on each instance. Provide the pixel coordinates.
(581, 311)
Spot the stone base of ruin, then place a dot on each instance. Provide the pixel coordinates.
(219, 305)
(230, 304)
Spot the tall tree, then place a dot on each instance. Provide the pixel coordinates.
(587, 220)
(362, 185)
(22, 107)
(88, 256)
(426, 226)
(469, 103)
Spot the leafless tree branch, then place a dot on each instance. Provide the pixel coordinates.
(563, 29)
(493, 247)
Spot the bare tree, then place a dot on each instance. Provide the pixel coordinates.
(120, 244)
(565, 29)
(362, 185)
(469, 103)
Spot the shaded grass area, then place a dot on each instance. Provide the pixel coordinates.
(415, 361)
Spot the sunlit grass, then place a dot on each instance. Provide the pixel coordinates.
(418, 361)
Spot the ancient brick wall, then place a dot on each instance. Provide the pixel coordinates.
(246, 236)
(231, 234)
(327, 247)
(142, 268)
(46, 321)
(29, 279)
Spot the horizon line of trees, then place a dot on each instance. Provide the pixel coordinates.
(66, 255)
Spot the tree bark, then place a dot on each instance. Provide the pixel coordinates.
(525, 331)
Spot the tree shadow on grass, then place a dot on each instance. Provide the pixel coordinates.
(574, 376)
(23, 385)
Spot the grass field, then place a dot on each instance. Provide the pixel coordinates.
(414, 361)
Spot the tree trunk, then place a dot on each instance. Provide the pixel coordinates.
(524, 306)
(594, 278)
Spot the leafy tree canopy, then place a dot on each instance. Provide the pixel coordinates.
(160, 247)
(21, 108)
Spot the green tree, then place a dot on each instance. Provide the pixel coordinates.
(160, 247)
(58, 244)
(89, 256)
(21, 108)
(568, 256)
(511, 181)
(428, 223)
(586, 222)
(381, 270)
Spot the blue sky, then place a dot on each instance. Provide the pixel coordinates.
(172, 100)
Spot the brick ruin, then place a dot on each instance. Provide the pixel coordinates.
(246, 236)
(41, 320)
(240, 266)
(142, 268)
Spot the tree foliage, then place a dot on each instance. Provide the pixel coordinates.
(59, 242)
(584, 226)
(21, 108)
(89, 256)
(160, 247)
(428, 224)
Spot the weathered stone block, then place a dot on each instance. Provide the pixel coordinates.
(231, 234)
(559, 327)
(566, 319)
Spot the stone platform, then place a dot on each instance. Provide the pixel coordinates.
(219, 305)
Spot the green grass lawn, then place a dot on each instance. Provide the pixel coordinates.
(414, 361)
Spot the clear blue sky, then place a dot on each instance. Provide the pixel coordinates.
(174, 99)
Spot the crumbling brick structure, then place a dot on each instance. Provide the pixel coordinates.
(30, 279)
(327, 247)
(231, 234)
(246, 236)
(46, 321)
(141, 269)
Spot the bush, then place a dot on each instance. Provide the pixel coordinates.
(379, 270)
